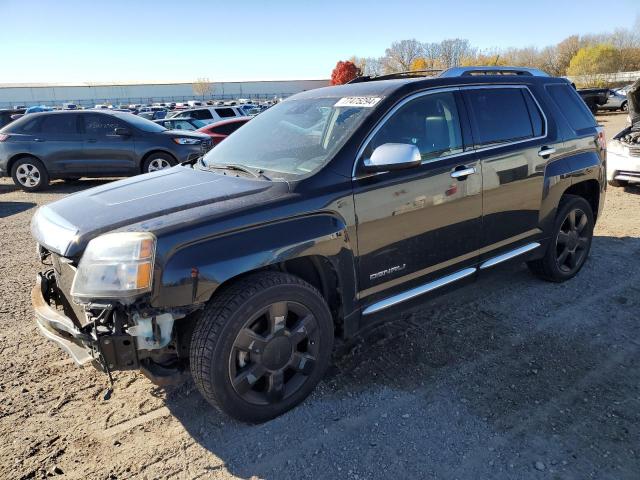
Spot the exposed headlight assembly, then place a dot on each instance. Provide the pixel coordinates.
(187, 141)
(115, 266)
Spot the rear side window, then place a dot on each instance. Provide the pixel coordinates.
(225, 112)
(26, 124)
(572, 106)
(499, 115)
(199, 114)
(61, 123)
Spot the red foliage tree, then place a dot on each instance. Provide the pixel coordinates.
(344, 72)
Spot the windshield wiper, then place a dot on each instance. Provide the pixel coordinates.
(239, 168)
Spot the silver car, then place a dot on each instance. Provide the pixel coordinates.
(615, 101)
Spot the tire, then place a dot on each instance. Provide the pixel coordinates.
(568, 247)
(618, 183)
(593, 107)
(158, 161)
(30, 174)
(624, 107)
(261, 345)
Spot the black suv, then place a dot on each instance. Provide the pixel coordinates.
(72, 144)
(320, 217)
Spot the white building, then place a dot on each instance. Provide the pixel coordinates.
(91, 94)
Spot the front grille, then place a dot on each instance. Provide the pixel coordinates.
(65, 271)
(629, 174)
(634, 151)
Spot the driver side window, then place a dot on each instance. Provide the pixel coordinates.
(430, 122)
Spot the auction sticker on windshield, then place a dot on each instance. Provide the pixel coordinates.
(366, 102)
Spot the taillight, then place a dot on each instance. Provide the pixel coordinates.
(3, 137)
(602, 140)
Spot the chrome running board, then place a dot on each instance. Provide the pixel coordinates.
(509, 255)
(417, 291)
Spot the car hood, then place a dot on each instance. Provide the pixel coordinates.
(633, 97)
(66, 226)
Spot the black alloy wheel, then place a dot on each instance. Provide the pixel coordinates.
(274, 353)
(261, 345)
(572, 241)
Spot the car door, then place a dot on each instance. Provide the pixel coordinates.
(513, 142)
(58, 142)
(105, 152)
(422, 224)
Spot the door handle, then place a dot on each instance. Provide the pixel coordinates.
(92, 140)
(546, 151)
(463, 172)
(38, 139)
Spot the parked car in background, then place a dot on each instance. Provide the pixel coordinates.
(623, 90)
(220, 130)
(44, 146)
(69, 106)
(154, 115)
(210, 114)
(594, 97)
(195, 103)
(189, 124)
(7, 113)
(615, 101)
(38, 109)
(153, 108)
(623, 150)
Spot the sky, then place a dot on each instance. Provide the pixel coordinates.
(69, 41)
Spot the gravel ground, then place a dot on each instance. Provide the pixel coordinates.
(510, 378)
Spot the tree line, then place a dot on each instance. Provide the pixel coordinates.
(577, 55)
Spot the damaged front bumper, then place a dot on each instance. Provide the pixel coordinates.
(149, 348)
(59, 328)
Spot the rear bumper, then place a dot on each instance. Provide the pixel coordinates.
(59, 328)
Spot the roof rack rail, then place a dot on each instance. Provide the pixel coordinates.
(390, 76)
(455, 72)
(470, 71)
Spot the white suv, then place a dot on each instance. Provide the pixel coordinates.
(623, 151)
(210, 114)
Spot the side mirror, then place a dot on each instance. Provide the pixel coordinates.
(393, 156)
(122, 132)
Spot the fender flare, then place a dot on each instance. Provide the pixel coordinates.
(192, 273)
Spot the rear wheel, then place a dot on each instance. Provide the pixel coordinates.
(261, 346)
(30, 174)
(624, 107)
(570, 241)
(158, 161)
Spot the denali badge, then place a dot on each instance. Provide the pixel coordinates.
(388, 271)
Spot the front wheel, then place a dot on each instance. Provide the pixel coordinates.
(158, 161)
(624, 107)
(570, 241)
(261, 346)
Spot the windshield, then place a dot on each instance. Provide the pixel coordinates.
(295, 137)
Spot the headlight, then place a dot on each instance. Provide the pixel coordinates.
(115, 265)
(187, 141)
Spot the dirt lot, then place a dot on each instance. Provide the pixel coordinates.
(511, 378)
